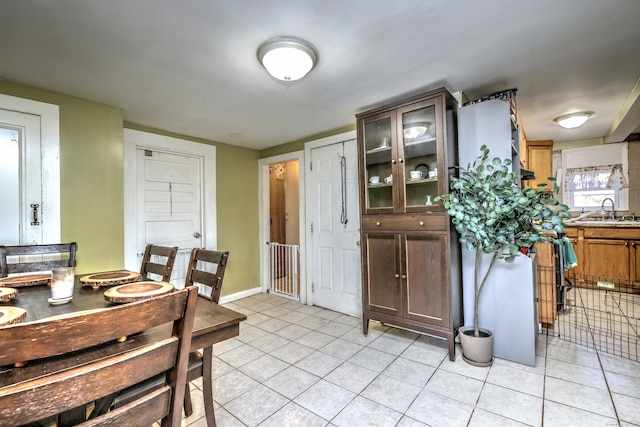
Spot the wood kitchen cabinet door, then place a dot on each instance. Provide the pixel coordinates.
(635, 265)
(382, 273)
(608, 258)
(539, 161)
(425, 264)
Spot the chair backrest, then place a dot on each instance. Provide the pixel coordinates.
(87, 362)
(39, 257)
(154, 265)
(212, 280)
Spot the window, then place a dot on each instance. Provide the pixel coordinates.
(593, 174)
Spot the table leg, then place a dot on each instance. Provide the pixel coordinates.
(207, 387)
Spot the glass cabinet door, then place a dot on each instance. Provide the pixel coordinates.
(420, 155)
(378, 153)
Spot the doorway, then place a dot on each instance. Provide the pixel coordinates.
(333, 213)
(165, 182)
(30, 200)
(284, 230)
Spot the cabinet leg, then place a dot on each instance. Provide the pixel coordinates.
(365, 325)
(452, 348)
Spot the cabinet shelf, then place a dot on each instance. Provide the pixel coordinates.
(421, 181)
(381, 185)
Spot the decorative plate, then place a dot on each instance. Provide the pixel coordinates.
(424, 168)
(137, 291)
(11, 315)
(109, 279)
(7, 294)
(27, 280)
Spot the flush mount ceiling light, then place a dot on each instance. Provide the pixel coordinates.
(573, 120)
(287, 58)
(414, 130)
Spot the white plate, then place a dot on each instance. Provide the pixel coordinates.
(59, 301)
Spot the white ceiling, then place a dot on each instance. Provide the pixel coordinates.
(190, 66)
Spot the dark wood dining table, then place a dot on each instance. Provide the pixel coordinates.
(212, 324)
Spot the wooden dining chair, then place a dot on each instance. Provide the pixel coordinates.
(152, 261)
(35, 258)
(90, 364)
(206, 268)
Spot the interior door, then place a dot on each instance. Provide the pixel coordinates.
(21, 177)
(169, 205)
(335, 237)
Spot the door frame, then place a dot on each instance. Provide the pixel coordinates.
(133, 140)
(308, 271)
(49, 161)
(263, 207)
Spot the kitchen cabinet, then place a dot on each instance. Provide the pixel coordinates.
(608, 258)
(410, 253)
(539, 162)
(608, 253)
(547, 293)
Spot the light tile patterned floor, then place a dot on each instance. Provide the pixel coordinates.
(297, 365)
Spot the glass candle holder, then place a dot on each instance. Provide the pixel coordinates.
(62, 280)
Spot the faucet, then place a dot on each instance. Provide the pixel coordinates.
(613, 208)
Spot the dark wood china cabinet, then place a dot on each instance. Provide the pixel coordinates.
(410, 253)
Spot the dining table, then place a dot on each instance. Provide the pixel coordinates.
(212, 324)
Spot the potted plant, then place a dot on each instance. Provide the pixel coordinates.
(493, 215)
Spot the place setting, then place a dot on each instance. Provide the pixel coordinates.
(112, 278)
(137, 291)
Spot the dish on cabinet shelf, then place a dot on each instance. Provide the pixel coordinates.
(424, 168)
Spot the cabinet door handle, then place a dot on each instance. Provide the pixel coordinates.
(421, 223)
(397, 276)
(626, 244)
(393, 161)
(404, 276)
(400, 160)
(633, 245)
(378, 223)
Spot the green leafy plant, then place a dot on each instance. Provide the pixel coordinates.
(493, 215)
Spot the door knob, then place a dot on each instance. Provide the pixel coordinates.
(196, 235)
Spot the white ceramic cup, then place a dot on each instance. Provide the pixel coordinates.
(415, 174)
(62, 280)
(385, 142)
(433, 174)
(388, 179)
(374, 179)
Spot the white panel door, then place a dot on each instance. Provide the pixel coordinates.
(336, 254)
(169, 205)
(21, 178)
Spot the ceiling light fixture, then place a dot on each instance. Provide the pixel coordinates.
(573, 120)
(414, 130)
(287, 58)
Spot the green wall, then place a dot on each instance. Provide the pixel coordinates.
(91, 193)
(91, 174)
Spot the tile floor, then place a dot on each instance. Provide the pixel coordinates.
(297, 365)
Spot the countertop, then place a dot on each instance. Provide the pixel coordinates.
(606, 223)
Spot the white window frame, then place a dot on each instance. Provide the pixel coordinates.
(598, 155)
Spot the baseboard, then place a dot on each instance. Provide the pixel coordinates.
(239, 295)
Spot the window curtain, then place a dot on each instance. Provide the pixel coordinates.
(604, 177)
